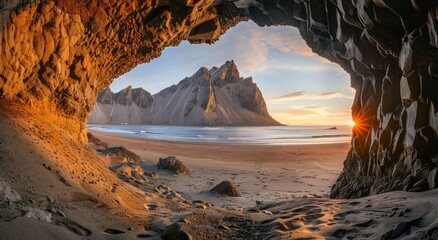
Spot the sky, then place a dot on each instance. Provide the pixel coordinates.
(299, 87)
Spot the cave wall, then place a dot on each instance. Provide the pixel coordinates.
(56, 55)
(389, 48)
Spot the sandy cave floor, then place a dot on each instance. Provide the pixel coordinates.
(52, 187)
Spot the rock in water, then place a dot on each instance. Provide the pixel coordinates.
(174, 165)
(226, 188)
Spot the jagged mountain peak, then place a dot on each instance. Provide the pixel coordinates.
(105, 96)
(227, 73)
(202, 77)
(219, 76)
(126, 97)
(216, 96)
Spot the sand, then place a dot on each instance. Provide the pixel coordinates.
(284, 193)
(262, 173)
(53, 187)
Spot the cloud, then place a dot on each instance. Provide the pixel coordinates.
(259, 49)
(308, 111)
(311, 115)
(292, 96)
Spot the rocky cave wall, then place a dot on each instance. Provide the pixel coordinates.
(56, 55)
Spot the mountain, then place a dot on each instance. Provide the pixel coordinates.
(219, 96)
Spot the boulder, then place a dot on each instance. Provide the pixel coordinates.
(226, 188)
(174, 232)
(123, 154)
(173, 165)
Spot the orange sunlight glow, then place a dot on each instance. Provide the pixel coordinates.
(352, 123)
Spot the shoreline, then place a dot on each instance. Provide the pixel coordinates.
(262, 173)
(280, 140)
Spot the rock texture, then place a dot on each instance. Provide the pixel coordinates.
(122, 154)
(129, 106)
(57, 55)
(226, 188)
(173, 165)
(218, 96)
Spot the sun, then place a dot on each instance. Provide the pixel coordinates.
(352, 123)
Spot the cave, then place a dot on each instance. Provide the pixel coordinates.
(56, 55)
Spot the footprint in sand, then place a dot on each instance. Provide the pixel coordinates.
(152, 207)
(112, 231)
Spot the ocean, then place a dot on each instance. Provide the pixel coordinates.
(275, 135)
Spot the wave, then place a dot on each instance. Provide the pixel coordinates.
(240, 135)
(332, 136)
(101, 129)
(149, 132)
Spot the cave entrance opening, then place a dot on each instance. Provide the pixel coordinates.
(298, 86)
(198, 100)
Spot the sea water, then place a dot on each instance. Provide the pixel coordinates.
(273, 135)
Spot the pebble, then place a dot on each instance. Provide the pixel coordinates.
(201, 206)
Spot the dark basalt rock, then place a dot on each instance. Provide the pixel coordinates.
(390, 51)
(122, 153)
(173, 165)
(226, 188)
(174, 232)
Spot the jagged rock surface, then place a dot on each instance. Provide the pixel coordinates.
(129, 106)
(57, 55)
(173, 165)
(210, 97)
(226, 188)
(123, 154)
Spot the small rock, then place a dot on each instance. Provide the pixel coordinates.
(267, 212)
(130, 229)
(153, 175)
(173, 165)
(226, 188)
(201, 202)
(38, 214)
(201, 206)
